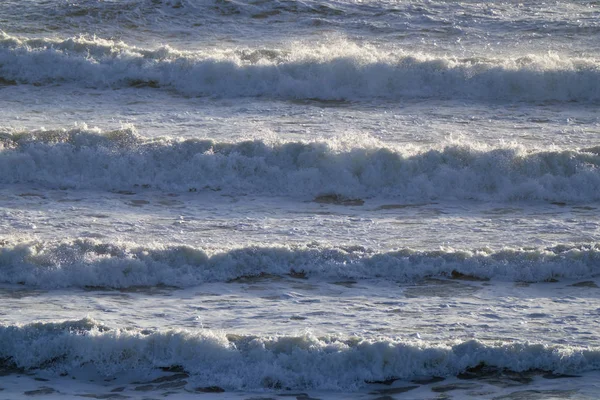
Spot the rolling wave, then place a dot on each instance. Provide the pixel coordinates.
(334, 71)
(82, 158)
(87, 263)
(238, 362)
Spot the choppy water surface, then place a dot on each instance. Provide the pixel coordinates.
(315, 199)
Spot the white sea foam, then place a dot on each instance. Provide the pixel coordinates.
(121, 159)
(326, 71)
(82, 263)
(250, 362)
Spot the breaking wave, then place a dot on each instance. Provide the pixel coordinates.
(88, 263)
(238, 362)
(331, 71)
(122, 159)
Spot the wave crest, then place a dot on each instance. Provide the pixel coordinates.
(88, 263)
(240, 362)
(330, 71)
(88, 159)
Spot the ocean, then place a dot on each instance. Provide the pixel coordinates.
(299, 199)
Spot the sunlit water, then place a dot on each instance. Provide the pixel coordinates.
(337, 199)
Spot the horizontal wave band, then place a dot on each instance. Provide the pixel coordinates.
(87, 263)
(335, 71)
(120, 160)
(238, 362)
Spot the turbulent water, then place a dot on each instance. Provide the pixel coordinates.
(307, 199)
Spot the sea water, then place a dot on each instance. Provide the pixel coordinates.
(299, 199)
